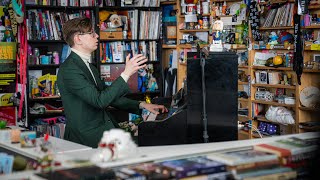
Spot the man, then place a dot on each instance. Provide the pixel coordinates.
(84, 95)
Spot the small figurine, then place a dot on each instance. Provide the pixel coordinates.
(152, 84)
(114, 144)
(273, 38)
(217, 28)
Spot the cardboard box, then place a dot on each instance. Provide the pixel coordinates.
(105, 35)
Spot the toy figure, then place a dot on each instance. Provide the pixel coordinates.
(152, 84)
(273, 38)
(115, 21)
(217, 28)
(142, 79)
(115, 144)
(18, 12)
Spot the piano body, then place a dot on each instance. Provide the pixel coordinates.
(186, 124)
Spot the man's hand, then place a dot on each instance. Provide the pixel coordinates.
(135, 63)
(154, 108)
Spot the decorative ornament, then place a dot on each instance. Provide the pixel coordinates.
(115, 144)
(18, 11)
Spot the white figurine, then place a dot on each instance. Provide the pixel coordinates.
(217, 28)
(115, 144)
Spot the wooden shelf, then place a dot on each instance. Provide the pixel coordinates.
(264, 119)
(309, 109)
(243, 67)
(274, 86)
(188, 46)
(315, 6)
(274, 47)
(275, 28)
(311, 71)
(49, 98)
(311, 27)
(273, 103)
(194, 30)
(243, 83)
(63, 8)
(183, 64)
(226, 0)
(273, 68)
(275, 2)
(43, 66)
(168, 3)
(182, 16)
(242, 118)
(243, 99)
(243, 132)
(46, 41)
(169, 46)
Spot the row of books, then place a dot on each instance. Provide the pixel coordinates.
(282, 159)
(108, 3)
(141, 3)
(116, 52)
(47, 25)
(53, 128)
(75, 3)
(282, 16)
(150, 23)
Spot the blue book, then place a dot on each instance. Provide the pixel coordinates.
(181, 168)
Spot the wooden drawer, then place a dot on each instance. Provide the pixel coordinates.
(110, 35)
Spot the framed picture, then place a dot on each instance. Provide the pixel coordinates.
(171, 32)
(316, 58)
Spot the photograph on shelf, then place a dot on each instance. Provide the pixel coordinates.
(171, 32)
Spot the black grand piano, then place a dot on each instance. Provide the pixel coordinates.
(185, 125)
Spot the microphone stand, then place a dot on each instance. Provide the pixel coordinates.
(204, 106)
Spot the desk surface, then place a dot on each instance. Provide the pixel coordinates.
(60, 146)
(72, 151)
(159, 153)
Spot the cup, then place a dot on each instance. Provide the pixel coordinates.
(45, 60)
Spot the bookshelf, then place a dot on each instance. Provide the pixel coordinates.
(44, 40)
(311, 75)
(140, 33)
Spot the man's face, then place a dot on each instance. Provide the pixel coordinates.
(88, 41)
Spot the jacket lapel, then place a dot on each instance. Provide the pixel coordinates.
(79, 62)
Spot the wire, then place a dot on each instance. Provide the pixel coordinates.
(255, 129)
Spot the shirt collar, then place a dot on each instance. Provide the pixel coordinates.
(85, 57)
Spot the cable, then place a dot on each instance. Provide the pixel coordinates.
(255, 129)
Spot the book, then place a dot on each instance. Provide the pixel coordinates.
(264, 174)
(88, 172)
(181, 168)
(242, 157)
(150, 170)
(287, 147)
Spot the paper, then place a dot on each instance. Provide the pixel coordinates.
(203, 36)
(191, 18)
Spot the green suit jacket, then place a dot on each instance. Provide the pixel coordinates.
(85, 102)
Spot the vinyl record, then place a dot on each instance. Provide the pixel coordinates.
(309, 96)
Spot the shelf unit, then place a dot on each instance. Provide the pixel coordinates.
(157, 63)
(44, 46)
(310, 77)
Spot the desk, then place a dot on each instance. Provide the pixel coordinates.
(60, 146)
(151, 153)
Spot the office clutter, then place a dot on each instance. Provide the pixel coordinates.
(281, 158)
